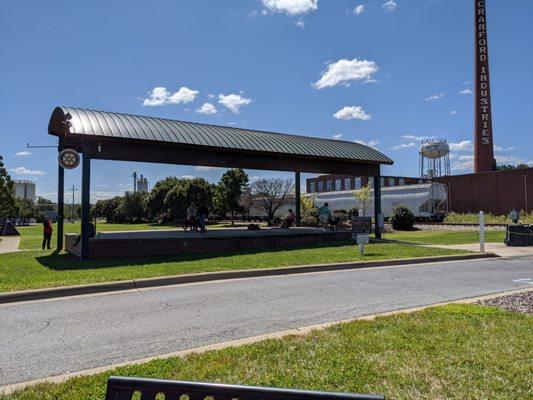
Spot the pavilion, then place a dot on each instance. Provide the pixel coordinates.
(102, 135)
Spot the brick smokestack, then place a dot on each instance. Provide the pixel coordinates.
(483, 139)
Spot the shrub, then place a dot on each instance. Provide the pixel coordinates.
(402, 218)
(309, 221)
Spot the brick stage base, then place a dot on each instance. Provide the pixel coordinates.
(177, 242)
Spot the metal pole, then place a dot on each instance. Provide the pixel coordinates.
(481, 232)
(85, 205)
(72, 210)
(60, 205)
(377, 205)
(297, 198)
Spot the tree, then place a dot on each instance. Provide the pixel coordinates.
(504, 167)
(45, 204)
(27, 209)
(271, 194)
(307, 204)
(185, 192)
(107, 209)
(231, 187)
(154, 204)
(131, 206)
(8, 202)
(363, 197)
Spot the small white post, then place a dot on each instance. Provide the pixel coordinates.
(362, 249)
(481, 232)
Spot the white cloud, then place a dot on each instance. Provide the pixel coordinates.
(403, 146)
(371, 143)
(359, 9)
(511, 160)
(291, 7)
(22, 154)
(453, 112)
(344, 71)
(353, 112)
(207, 109)
(415, 138)
(389, 5)
(465, 145)
(300, 23)
(466, 92)
(26, 171)
(503, 149)
(464, 163)
(205, 169)
(161, 96)
(233, 101)
(437, 96)
(467, 82)
(337, 136)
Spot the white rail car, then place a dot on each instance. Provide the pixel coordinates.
(426, 201)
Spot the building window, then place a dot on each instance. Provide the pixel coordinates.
(320, 186)
(347, 184)
(401, 181)
(371, 181)
(329, 186)
(338, 184)
(358, 183)
(312, 187)
(382, 180)
(392, 182)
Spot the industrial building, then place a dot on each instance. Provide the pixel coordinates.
(335, 183)
(25, 190)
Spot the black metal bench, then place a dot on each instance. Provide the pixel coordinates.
(119, 388)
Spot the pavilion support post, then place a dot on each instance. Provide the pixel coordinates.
(297, 198)
(60, 206)
(85, 204)
(377, 205)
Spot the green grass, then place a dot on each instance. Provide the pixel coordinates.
(457, 218)
(37, 269)
(450, 352)
(445, 237)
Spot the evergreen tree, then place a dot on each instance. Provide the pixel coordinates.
(8, 202)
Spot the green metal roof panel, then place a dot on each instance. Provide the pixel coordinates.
(134, 127)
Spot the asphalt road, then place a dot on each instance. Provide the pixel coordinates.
(47, 338)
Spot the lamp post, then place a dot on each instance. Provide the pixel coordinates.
(72, 213)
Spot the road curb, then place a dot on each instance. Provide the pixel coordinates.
(57, 292)
(301, 331)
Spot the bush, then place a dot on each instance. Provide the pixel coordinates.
(402, 218)
(309, 221)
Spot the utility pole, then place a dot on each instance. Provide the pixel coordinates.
(73, 190)
(134, 176)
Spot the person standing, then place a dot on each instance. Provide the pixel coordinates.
(47, 233)
(203, 212)
(323, 215)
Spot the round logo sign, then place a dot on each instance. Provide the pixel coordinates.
(69, 158)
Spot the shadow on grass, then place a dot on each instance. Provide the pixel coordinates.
(65, 261)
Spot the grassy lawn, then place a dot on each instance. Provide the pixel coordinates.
(36, 269)
(450, 352)
(445, 237)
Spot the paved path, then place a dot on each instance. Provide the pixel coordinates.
(496, 248)
(9, 244)
(47, 338)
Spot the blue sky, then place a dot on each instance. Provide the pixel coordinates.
(383, 72)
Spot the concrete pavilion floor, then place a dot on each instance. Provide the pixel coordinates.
(211, 233)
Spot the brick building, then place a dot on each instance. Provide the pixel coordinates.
(330, 183)
(497, 192)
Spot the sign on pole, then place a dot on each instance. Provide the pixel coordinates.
(361, 230)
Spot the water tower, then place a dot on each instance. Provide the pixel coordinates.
(434, 158)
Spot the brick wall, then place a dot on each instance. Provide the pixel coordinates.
(497, 192)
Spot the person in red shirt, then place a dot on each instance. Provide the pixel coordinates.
(47, 233)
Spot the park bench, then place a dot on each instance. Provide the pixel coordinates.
(120, 388)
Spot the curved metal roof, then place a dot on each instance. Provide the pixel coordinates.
(134, 127)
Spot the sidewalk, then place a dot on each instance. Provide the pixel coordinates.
(9, 244)
(500, 249)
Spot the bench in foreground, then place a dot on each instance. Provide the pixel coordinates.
(120, 388)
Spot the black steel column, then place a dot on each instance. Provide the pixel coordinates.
(85, 204)
(60, 205)
(297, 197)
(377, 205)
